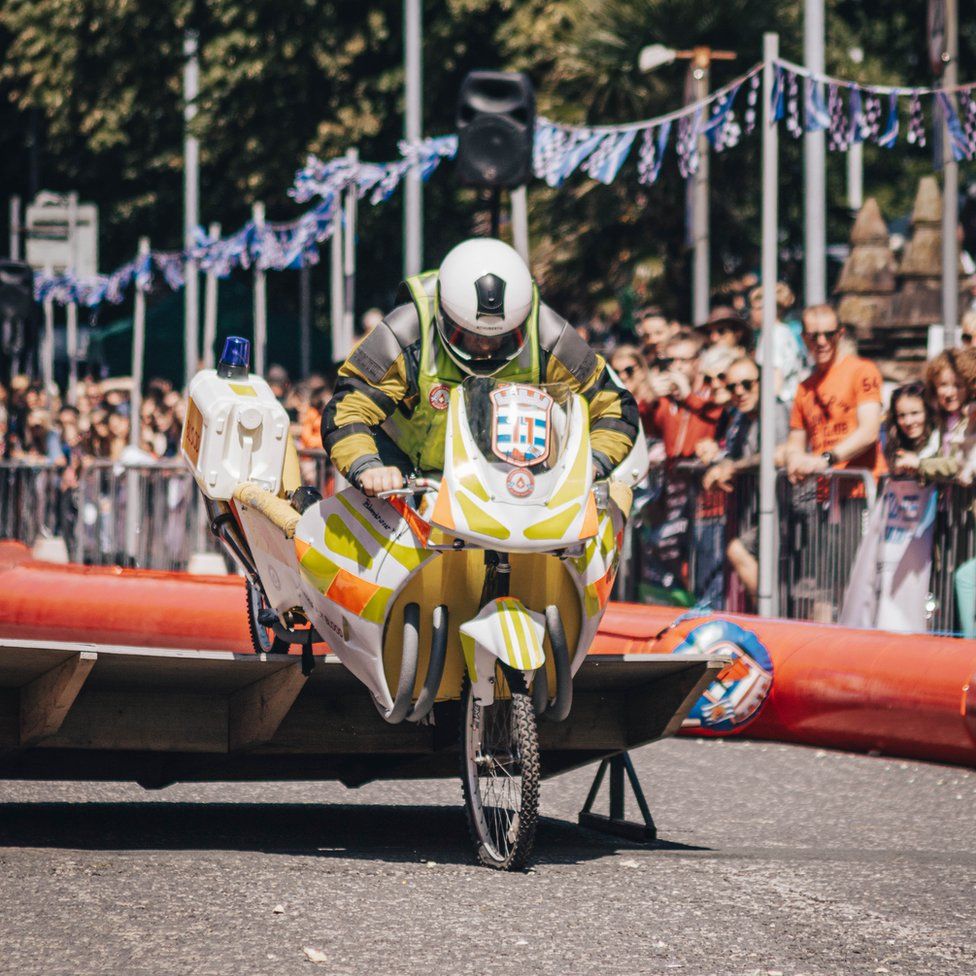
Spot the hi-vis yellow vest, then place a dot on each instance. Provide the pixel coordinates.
(421, 435)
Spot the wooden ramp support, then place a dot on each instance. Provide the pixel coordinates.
(164, 715)
(45, 701)
(256, 711)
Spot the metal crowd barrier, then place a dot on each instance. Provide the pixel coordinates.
(149, 515)
(31, 500)
(677, 550)
(954, 547)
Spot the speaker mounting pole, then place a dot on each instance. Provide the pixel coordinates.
(496, 211)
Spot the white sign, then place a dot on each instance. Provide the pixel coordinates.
(49, 238)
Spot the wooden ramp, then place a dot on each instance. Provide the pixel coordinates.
(158, 716)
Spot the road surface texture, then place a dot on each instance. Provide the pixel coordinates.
(773, 860)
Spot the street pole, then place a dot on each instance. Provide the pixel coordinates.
(191, 205)
(210, 295)
(71, 330)
(413, 228)
(855, 156)
(519, 202)
(950, 188)
(15, 228)
(814, 170)
(305, 320)
(855, 177)
(133, 498)
(349, 260)
(768, 529)
(699, 206)
(138, 352)
(260, 300)
(47, 357)
(336, 300)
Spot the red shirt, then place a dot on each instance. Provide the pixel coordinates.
(682, 425)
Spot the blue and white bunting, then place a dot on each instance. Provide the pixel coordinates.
(848, 111)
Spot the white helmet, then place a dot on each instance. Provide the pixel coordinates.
(484, 296)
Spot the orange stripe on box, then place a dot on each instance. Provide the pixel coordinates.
(591, 519)
(442, 510)
(418, 526)
(351, 592)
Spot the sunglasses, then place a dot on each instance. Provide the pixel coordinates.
(746, 386)
(626, 372)
(967, 339)
(663, 363)
(828, 334)
(718, 380)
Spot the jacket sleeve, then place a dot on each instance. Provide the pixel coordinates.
(371, 383)
(614, 418)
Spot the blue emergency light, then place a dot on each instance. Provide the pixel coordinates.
(235, 360)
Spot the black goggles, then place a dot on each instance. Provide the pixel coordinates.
(473, 347)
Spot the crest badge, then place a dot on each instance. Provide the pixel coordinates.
(439, 396)
(520, 482)
(521, 432)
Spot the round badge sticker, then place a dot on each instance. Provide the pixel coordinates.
(439, 396)
(740, 690)
(520, 482)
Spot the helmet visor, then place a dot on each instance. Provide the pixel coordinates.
(475, 347)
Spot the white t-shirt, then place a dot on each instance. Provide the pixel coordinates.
(787, 359)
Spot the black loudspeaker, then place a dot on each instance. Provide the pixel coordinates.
(495, 127)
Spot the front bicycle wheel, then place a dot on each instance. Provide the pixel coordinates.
(500, 773)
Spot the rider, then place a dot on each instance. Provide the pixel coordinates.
(480, 314)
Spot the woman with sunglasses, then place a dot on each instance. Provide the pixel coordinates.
(714, 366)
(910, 433)
(629, 364)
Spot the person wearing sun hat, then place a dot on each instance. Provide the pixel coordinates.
(725, 327)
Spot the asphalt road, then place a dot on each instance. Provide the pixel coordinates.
(774, 860)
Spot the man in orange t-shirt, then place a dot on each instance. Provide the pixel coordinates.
(836, 419)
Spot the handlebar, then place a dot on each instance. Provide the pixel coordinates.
(413, 486)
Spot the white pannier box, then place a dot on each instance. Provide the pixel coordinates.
(235, 431)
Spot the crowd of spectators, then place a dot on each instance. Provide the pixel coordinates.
(43, 427)
(698, 395)
(697, 389)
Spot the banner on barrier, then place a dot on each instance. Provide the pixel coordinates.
(889, 582)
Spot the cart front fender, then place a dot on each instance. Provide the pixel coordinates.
(506, 631)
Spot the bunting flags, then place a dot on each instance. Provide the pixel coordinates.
(852, 112)
(848, 111)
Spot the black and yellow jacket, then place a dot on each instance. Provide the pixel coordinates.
(386, 377)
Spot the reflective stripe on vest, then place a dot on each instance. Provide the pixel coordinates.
(421, 436)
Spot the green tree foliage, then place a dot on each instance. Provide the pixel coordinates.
(280, 78)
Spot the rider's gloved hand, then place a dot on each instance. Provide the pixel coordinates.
(374, 480)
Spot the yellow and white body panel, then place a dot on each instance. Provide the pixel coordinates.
(512, 502)
(355, 555)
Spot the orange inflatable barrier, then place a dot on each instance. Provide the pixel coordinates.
(861, 690)
(867, 691)
(109, 605)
